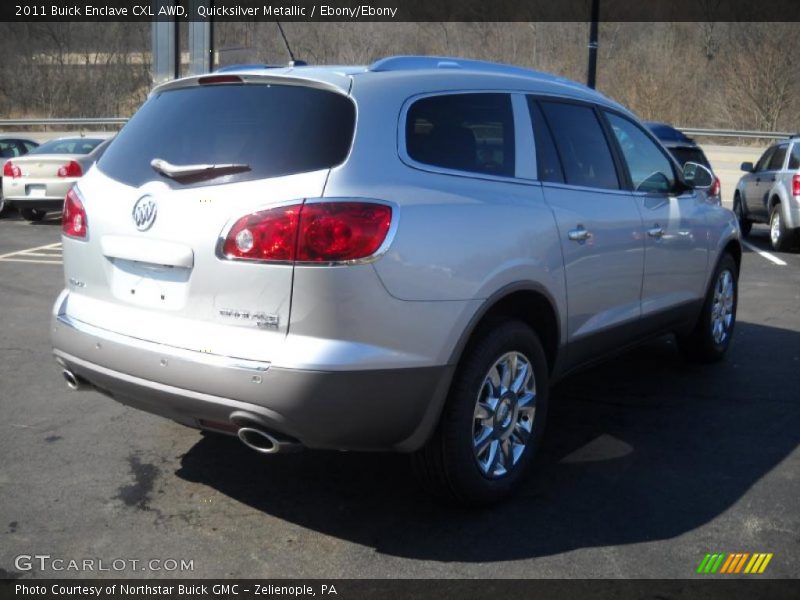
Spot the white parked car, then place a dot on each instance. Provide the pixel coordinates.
(39, 181)
(12, 148)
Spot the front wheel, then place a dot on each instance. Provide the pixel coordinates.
(493, 420)
(711, 336)
(779, 236)
(745, 224)
(33, 214)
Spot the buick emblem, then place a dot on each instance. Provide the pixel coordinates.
(144, 213)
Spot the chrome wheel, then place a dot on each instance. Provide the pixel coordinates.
(775, 228)
(504, 413)
(722, 307)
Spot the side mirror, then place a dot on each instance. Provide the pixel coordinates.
(748, 167)
(698, 176)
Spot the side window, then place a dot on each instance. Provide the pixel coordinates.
(548, 166)
(762, 163)
(651, 171)
(582, 146)
(794, 159)
(776, 162)
(466, 132)
(29, 146)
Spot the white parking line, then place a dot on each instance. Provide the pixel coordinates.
(770, 257)
(34, 255)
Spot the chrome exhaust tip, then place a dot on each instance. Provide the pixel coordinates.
(74, 382)
(258, 440)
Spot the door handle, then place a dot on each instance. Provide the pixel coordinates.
(580, 234)
(656, 232)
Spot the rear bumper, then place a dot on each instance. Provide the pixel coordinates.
(387, 409)
(793, 214)
(40, 203)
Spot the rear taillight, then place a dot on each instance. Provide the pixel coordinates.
(314, 232)
(269, 235)
(71, 169)
(341, 231)
(716, 187)
(796, 185)
(11, 170)
(73, 219)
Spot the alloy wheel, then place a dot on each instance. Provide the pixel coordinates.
(722, 307)
(775, 228)
(504, 414)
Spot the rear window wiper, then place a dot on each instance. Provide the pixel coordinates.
(200, 171)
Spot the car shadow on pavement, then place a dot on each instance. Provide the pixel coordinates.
(642, 448)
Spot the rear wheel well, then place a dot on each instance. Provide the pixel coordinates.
(734, 248)
(532, 308)
(773, 202)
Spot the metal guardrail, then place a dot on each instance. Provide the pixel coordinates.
(734, 133)
(4, 123)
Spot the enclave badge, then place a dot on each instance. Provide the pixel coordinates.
(144, 213)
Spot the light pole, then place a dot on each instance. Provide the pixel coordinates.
(591, 79)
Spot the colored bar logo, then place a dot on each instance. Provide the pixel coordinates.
(737, 562)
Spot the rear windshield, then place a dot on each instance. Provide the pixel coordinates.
(68, 146)
(684, 155)
(274, 129)
(665, 133)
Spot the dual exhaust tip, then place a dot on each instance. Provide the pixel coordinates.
(256, 438)
(250, 432)
(259, 440)
(75, 382)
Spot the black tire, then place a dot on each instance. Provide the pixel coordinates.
(448, 464)
(32, 214)
(745, 224)
(701, 345)
(780, 238)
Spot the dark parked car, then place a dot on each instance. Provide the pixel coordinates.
(684, 149)
(11, 148)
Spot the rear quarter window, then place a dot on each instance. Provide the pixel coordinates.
(471, 132)
(276, 130)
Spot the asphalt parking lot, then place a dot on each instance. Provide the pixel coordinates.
(648, 464)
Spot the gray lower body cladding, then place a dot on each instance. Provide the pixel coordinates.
(391, 409)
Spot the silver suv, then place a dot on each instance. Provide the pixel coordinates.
(770, 193)
(396, 257)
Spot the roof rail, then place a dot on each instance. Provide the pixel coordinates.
(412, 63)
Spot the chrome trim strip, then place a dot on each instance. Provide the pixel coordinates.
(213, 360)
